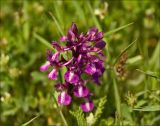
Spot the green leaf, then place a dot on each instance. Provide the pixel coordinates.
(10, 112)
(43, 41)
(148, 108)
(117, 29)
(155, 119)
(37, 76)
(126, 112)
(79, 115)
(27, 123)
(155, 56)
(99, 109)
(134, 60)
(140, 103)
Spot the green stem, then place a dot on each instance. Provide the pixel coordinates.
(60, 112)
(117, 97)
(124, 51)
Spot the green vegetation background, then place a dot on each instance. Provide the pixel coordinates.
(133, 96)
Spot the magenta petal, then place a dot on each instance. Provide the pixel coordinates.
(79, 58)
(99, 36)
(93, 30)
(63, 38)
(55, 57)
(87, 106)
(74, 28)
(71, 36)
(81, 91)
(100, 44)
(45, 66)
(53, 74)
(64, 98)
(68, 62)
(71, 77)
(90, 69)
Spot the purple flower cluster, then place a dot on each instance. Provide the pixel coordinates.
(87, 59)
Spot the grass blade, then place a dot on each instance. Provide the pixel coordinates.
(93, 16)
(58, 12)
(57, 24)
(149, 108)
(149, 74)
(79, 10)
(43, 41)
(27, 123)
(117, 29)
(124, 51)
(155, 119)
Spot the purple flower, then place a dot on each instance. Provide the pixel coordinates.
(87, 106)
(90, 69)
(71, 77)
(81, 91)
(64, 98)
(53, 74)
(45, 66)
(86, 58)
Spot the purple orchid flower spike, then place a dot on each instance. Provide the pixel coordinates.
(86, 58)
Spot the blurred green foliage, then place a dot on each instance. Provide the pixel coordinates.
(133, 96)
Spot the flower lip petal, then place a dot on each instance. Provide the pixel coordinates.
(71, 77)
(81, 91)
(53, 74)
(87, 106)
(64, 98)
(45, 66)
(90, 69)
